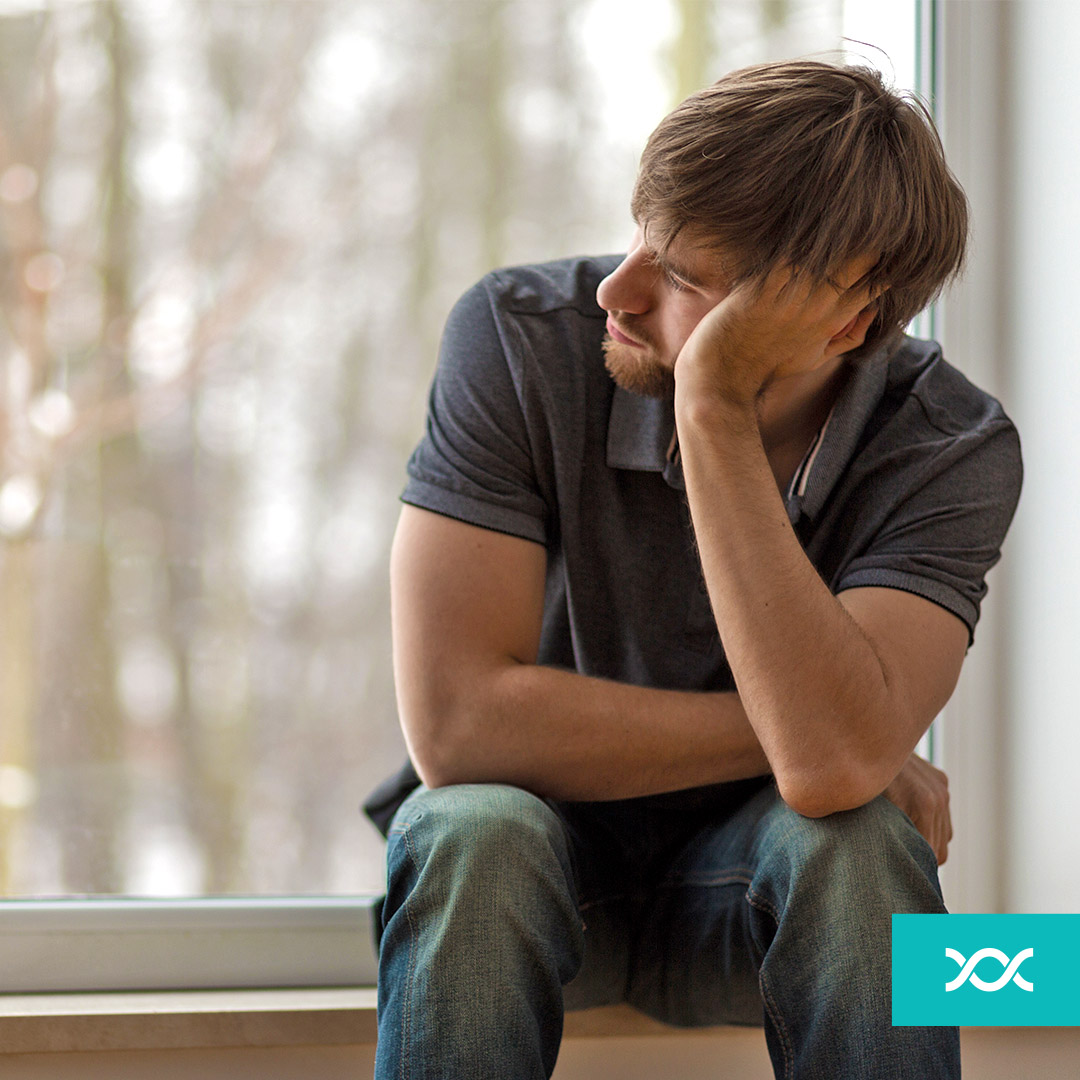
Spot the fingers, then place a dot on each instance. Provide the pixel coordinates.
(857, 270)
(937, 832)
(944, 836)
(942, 850)
(838, 306)
(941, 797)
(922, 790)
(948, 826)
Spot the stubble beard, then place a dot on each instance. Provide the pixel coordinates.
(638, 369)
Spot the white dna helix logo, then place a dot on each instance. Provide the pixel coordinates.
(967, 969)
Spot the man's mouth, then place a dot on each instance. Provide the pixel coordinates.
(619, 336)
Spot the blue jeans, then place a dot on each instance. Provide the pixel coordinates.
(719, 905)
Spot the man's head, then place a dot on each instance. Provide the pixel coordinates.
(800, 163)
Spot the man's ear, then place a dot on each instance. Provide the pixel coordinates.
(854, 333)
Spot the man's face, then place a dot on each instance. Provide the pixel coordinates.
(653, 303)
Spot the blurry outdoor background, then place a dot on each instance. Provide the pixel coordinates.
(229, 234)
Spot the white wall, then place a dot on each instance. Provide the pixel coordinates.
(972, 100)
(1042, 837)
(1011, 738)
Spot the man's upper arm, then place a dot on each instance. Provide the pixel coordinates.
(465, 601)
(921, 647)
(916, 585)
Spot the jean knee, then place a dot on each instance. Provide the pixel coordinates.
(475, 821)
(480, 839)
(881, 827)
(872, 852)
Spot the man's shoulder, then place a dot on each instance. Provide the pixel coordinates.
(930, 392)
(543, 288)
(536, 330)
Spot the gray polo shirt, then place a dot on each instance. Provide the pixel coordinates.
(910, 484)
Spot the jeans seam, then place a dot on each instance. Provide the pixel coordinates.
(410, 971)
(755, 900)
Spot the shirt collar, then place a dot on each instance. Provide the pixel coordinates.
(640, 433)
(832, 451)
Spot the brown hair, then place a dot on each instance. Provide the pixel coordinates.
(810, 164)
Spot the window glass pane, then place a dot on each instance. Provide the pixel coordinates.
(231, 232)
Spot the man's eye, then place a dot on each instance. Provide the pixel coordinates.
(674, 282)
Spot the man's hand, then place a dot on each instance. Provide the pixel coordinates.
(922, 792)
(764, 331)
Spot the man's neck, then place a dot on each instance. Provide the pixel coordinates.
(792, 411)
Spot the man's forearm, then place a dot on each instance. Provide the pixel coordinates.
(467, 607)
(812, 685)
(837, 691)
(569, 736)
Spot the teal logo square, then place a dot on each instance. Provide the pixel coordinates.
(985, 970)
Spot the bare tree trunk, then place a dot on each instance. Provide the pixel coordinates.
(693, 48)
(774, 14)
(93, 860)
(17, 683)
(496, 144)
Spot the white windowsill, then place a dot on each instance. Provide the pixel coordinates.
(102, 945)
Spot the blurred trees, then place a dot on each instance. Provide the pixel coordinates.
(229, 234)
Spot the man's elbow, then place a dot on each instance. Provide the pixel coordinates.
(441, 745)
(430, 767)
(828, 791)
(444, 770)
(452, 726)
(432, 753)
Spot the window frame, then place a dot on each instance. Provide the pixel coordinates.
(73, 946)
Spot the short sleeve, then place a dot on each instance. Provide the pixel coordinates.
(942, 538)
(474, 462)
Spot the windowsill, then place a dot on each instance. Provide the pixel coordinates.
(100, 945)
(204, 1019)
(185, 1019)
(242, 1019)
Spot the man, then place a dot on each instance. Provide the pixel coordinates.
(691, 555)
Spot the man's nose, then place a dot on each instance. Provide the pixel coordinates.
(629, 287)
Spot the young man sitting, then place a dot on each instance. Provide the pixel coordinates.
(692, 552)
